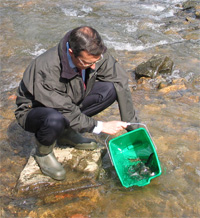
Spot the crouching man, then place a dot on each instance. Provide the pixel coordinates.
(64, 88)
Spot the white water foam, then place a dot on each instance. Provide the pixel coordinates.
(37, 50)
(86, 9)
(77, 13)
(132, 27)
(167, 14)
(153, 7)
(121, 46)
(163, 15)
(197, 170)
(174, 1)
(9, 87)
(153, 26)
(70, 12)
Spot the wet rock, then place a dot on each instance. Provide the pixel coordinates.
(171, 32)
(116, 213)
(12, 97)
(175, 85)
(143, 83)
(33, 214)
(163, 85)
(197, 13)
(159, 82)
(81, 203)
(81, 166)
(179, 81)
(26, 5)
(190, 4)
(78, 215)
(190, 99)
(172, 88)
(189, 19)
(192, 7)
(146, 36)
(146, 83)
(157, 64)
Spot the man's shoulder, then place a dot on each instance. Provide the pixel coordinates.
(48, 54)
(49, 57)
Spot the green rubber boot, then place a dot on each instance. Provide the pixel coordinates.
(48, 163)
(72, 138)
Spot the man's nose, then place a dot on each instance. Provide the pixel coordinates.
(93, 66)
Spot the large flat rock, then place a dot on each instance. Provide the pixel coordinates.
(82, 170)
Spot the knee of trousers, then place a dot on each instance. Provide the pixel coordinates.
(53, 127)
(110, 92)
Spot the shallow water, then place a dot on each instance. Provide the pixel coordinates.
(133, 31)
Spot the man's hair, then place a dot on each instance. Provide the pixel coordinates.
(86, 38)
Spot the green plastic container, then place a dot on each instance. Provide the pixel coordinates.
(131, 150)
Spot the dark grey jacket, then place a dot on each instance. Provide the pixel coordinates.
(50, 82)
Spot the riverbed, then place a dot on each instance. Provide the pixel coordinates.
(133, 31)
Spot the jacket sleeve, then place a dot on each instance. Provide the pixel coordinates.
(49, 92)
(111, 71)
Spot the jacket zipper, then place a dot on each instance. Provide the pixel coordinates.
(90, 83)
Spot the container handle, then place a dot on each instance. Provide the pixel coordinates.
(142, 124)
(108, 149)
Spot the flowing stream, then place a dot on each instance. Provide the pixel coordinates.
(133, 30)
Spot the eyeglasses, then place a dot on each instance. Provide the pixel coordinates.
(87, 65)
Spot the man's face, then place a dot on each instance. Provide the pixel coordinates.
(84, 60)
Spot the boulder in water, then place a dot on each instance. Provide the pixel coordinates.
(157, 64)
(190, 4)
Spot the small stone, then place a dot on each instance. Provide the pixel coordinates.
(12, 97)
(143, 83)
(32, 214)
(78, 215)
(162, 85)
(197, 14)
(189, 19)
(179, 81)
(171, 32)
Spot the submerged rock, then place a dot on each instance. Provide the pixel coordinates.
(157, 64)
(176, 85)
(190, 4)
(192, 7)
(82, 168)
(172, 88)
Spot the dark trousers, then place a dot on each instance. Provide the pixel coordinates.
(48, 123)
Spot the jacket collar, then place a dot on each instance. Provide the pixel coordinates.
(66, 71)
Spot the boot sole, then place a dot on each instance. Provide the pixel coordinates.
(53, 177)
(58, 178)
(84, 146)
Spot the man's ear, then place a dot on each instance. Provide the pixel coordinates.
(70, 51)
